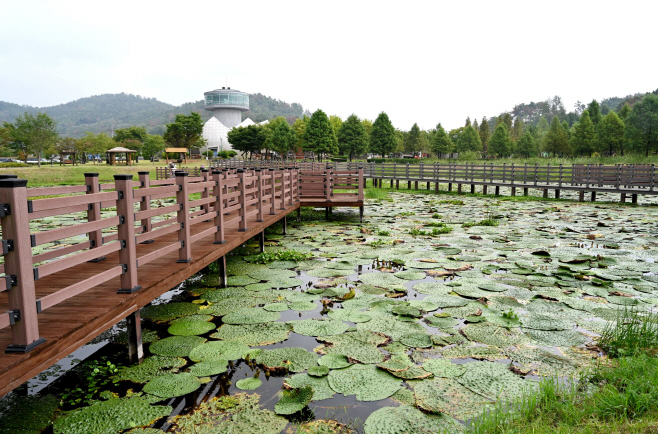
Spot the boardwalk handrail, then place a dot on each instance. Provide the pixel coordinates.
(228, 197)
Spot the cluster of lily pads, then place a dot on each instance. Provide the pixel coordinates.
(436, 329)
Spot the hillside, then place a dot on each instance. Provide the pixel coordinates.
(105, 113)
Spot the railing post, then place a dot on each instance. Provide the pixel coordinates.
(361, 184)
(183, 217)
(242, 199)
(94, 213)
(295, 171)
(259, 195)
(291, 187)
(145, 204)
(123, 184)
(272, 184)
(282, 204)
(19, 273)
(205, 173)
(217, 176)
(328, 175)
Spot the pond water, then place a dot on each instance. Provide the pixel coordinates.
(422, 318)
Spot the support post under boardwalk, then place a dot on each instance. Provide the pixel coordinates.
(497, 190)
(623, 198)
(221, 271)
(484, 189)
(525, 191)
(450, 186)
(326, 213)
(634, 198)
(557, 194)
(472, 188)
(513, 191)
(593, 195)
(459, 188)
(299, 214)
(581, 196)
(284, 225)
(361, 214)
(545, 195)
(134, 330)
(261, 241)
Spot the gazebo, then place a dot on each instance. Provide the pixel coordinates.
(111, 159)
(73, 160)
(181, 151)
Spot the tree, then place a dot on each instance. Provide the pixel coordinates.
(501, 143)
(468, 122)
(468, 140)
(299, 127)
(412, 142)
(583, 138)
(249, 139)
(336, 122)
(185, 132)
(526, 145)
(95, 144)
(594, 111)
(517, 129)
(476, 125)
(382, 137)
(367, 124)
(283, 137)
(611, 133)
(352, 137)
(441, 143)
(556, 140)
(485, 134)
(153, 145)
(507, 119)
(130, 133)
(319, 135)
(624, 112)
(642, 125)
(33, 134)
(542, 129)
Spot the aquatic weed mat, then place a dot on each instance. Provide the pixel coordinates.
(385, 312)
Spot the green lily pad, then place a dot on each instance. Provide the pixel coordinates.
(248, 384)
(416, 340)
(444, 368)
(390, 327)
(381, 279)
(151, 367)
(557, 338)
(432, 288)
(303, 306)
(407, 419)
(253, 315)
(495, 381)
(168, 311)
(320, 385)
(410, 275)
(334, 361)
(493, 335)
(319, 327)
(294, 359)
(318, 371)
(190, 328)
(241, 280)
(228, 350)
(209, 367)
(176, 346)
(172, 385)
(254, 334)
(365, 381)
(294, 400)
(447, 396)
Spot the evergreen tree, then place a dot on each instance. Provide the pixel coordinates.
(299, 127)
(583, 138)
(642, 125)
(153, 145)
(517, 129)
(383, 138)
(441, 143)
(319, 135)
(185, 132)
(594, 112)
(611, 134)
(624, 112)
(501, 143)
(476, 125)
(282, 138)
(556, 140)
(249, 139)
(412, 141)
(352, 137)
(542, 129)
(468, 122)
(336, 123)
(507, 119)
(526, 145)
(468, 140)
(485, 134)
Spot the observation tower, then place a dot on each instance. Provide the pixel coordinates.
(226, 105)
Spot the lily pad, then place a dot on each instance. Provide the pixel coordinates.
(294, 359)
(172, 385)
(495, 381)
(254, 334)
(248, 383)
(176, 346)
(150, 368)
(334, 361)
(168, 311)
(319, 327)
(228, 350)
(416, 340)
(494, 335)
(209, 367)
(444, 368)
(250, 316)
(408, 419)
(294, 400)
(320, 385)
(190, 328)
(447, 396)
(365, 381)
(318, 371)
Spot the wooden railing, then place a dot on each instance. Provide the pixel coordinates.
(227, 197)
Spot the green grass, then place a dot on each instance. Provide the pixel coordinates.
(618, 395)
(376, 193)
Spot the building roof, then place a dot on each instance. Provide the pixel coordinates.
(119, 150)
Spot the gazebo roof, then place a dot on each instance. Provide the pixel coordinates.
(176, 150)
(119, 149)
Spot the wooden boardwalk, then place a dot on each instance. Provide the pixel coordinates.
(69, 300)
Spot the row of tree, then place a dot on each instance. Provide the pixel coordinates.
(37, 135)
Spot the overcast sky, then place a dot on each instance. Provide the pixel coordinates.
(424, 62)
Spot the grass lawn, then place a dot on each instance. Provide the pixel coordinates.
(72, 175)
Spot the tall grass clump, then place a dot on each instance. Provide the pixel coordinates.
(376, 193)
(633, 332)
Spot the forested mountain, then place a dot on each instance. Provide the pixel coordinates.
(106, 113)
